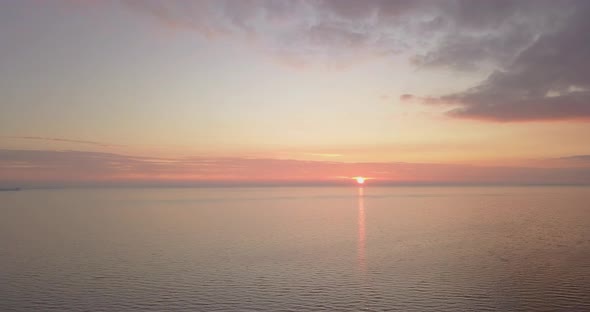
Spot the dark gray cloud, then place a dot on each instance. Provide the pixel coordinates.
(468, 52)
(549, 80)
(479, 33)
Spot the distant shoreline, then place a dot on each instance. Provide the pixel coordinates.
(13, 189)
(230, 186)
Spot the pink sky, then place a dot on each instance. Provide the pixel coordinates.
(304, 92)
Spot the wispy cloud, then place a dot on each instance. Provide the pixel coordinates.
(38, 167)
(329, 155)
(51, 139)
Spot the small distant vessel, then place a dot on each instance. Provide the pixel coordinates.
(14, 189)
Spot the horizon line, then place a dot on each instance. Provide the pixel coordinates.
(287, 185)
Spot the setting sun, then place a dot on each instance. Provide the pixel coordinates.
(295, 154)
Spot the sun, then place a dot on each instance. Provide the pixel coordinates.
(360, 180)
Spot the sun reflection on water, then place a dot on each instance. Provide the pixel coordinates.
(362, 261)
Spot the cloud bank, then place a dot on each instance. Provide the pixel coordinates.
(58, 168)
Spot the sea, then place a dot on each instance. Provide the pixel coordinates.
(296, 249)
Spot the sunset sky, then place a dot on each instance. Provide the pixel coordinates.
(294, 92)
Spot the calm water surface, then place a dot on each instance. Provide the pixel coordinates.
(296, 249)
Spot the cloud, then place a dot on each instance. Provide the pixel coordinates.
(549, 80)
(407, 97)
(454, 34)
(323, 154)
(469, 52)
(54, 168)
(195, 15)
(101, 144)
(576, 160)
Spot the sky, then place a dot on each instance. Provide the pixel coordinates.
(294, 92)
